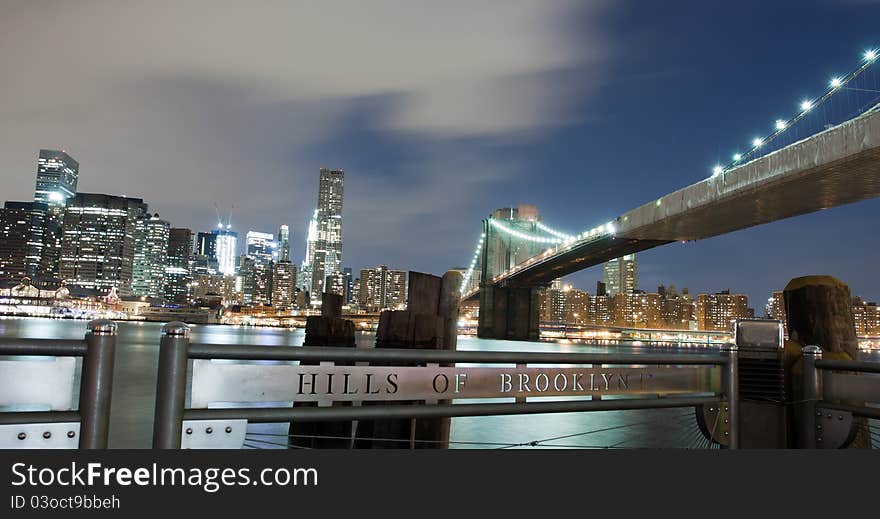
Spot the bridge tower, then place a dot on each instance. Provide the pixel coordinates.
(509, 311)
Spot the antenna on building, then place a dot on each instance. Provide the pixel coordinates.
(229, 220)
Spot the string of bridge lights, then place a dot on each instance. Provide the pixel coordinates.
(835, 85)
(559, 238)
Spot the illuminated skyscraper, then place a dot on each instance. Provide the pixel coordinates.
(22, 225)
(284, 243)
(262, 247)
(57, 175)
(150, 253)
(179, 267)
(324, 249)
(621, 275)
(225, 242)
(98, 241)
(382, 289)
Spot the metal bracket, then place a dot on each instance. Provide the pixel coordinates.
(715, 421)
(63, 435)
(834, 429)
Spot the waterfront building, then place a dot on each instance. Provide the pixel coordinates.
(284, 286)
(256, 279)
(349, 285)
(179, 267)
(98, 241)
(775, 309)
(304, 279)
(621, 275)
(577, 307)
(867, 318)
(637, 310)
(717, 312)
(150, 253)
(600, 310)
(382, 289)
(22, 242)
(678, 310)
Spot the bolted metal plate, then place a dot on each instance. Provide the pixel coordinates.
(64, 435)
(714, 421)
(223, 381)
(834, 429)
(37, 382)
(213, 434)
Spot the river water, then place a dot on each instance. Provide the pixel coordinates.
(135, 380)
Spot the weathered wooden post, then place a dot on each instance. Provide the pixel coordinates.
(328, 329)
(429, 322)
(818, 311)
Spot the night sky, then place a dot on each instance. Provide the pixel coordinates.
(439, 112)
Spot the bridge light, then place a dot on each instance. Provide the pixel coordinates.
(836, 82)
(806, 105)
(717, 170)
(871, 55)
(780, 124)
(737, 157)
(757, 142)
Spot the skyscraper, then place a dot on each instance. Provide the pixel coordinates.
(178, 267)
(324, 254)
(57, 175)
(21, 240)
(225, 242)
(98, 241)
(283, 286)
(718, 311)
(621, 275)
(150, 253)
(262, 247)
(284, 243)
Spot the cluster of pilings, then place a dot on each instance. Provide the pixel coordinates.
(429, 322)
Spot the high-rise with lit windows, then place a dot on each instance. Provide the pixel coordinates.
(621, 275)
(324, 249)
(57, 176)
(98, 241)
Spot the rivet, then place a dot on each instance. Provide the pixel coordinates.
(828, 415)
(819, 427)
(47, 435)
(726, 420)
(840, 417)
(726, 433)
(189, 430)
(71, 434)
(711, 409)
(819, 413)
(228, 429)
(209, 430)
(22, 436)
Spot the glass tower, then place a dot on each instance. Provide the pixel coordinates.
(324, 259)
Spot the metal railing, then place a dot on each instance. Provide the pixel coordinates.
(836, 391)
(176, 351)
(92, 417)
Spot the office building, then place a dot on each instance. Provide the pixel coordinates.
(261, 247)
(284, 286)
(621, 275)
(98, 241)
(57, 176)
(150, 253)
(225, 243)
(22, 228)
(284, 243)
(179, 267)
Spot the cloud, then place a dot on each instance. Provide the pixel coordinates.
(188, 103)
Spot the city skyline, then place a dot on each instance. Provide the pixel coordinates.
(400, 157)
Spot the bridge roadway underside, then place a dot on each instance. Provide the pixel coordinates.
(836, 167)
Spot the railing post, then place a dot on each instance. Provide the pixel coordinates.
(731, 389)
(171, 386)
(812, 395)
(96, 384)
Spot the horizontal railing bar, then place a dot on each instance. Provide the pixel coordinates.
(43, 347)
(311, 353)
(345, 413)
(868, 412)
(848, 365)
(26, 417)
